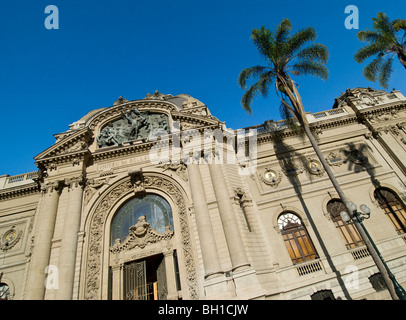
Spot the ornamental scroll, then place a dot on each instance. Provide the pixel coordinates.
(97, 226)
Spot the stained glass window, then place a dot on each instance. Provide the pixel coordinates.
(156, 209)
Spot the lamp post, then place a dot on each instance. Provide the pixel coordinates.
(358, 217)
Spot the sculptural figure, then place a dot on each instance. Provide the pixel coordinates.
(133, 125)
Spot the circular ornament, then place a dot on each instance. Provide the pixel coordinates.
(10, 236)
(315, 167)
(270, 177)
(9, 239)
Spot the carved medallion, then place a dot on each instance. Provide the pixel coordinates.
(315, 167)
(10, 239)
(271, 177)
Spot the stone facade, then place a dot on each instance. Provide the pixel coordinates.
(228, 216)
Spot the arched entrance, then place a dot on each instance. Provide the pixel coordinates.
(144, 220)
(108, 257)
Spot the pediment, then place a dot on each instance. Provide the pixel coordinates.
(74, 144)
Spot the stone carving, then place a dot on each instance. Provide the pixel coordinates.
(335, 159)
(97, 225)
(271, 177)
(137, 179)
(56, 186)
(314, 167)
(133, 125)
(140, 235)
(10, 239)
(241, 197)
(155, 96)
(179, 168)
(74, 182)
(120, 100)
(383, 117)
(92, 186)
(78, 146)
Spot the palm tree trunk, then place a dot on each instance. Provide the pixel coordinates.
(402, 58)
(340, 192)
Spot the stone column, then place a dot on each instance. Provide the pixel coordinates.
(117, 282)
(43, 240)
(170, 276)
(67, 252)
(210, 255)
(234, 242)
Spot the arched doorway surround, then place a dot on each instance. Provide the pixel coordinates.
(97, 254)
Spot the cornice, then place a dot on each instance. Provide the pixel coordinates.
(316, 127)
(19, 191)
(116, 151)
(71, 148)
(381, 109)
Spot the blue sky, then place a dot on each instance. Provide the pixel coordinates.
(106, 49)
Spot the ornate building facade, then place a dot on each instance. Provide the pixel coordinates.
(158, 199)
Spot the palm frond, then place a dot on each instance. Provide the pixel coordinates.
(298, 39)
(382, 24)
(315, 51)
(399, 24)
(282, 31)
(369, 51)
(371, 70)
(263, 40)
(311, 67)
(385, 73)
(250, 73)
(369, 36)
(260, 87)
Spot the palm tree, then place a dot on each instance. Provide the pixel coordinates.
(287, 55)
(384, 43)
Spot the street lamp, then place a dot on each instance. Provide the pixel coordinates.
(359, 217)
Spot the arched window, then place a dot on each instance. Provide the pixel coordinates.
(393, 207)
(4, 291)
(348, 231)
(297, 240)
(156, 210)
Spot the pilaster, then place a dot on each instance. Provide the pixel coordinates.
(67, 253)
(43, 240)
(210, 255)
(234, 241)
